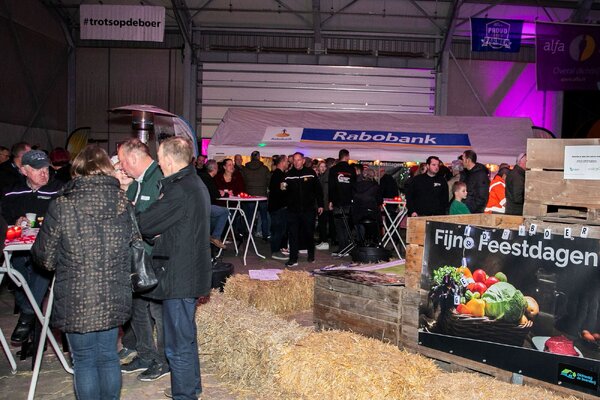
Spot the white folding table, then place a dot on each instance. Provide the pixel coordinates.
(234, 205)
(392, 224)
(19, 280)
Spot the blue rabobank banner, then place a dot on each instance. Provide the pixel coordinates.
(429, 139)
(496, 35)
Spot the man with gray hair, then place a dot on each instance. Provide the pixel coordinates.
(146, 314)
(218, 213)
(178, 222)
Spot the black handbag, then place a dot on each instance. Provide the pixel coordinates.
(142, 273)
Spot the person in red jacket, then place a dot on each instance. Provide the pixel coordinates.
(497, 199)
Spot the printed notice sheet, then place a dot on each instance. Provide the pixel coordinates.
(582, 162)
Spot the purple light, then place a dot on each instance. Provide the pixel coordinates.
(509, 90)
(204, 146)
(522, 99)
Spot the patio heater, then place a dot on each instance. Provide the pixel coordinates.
(142, 123)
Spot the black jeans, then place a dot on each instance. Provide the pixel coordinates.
(146, 314)
(278, 229)
(325, 226)
(342, 232)
(301, 228)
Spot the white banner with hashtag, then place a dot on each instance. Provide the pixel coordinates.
(110, 22)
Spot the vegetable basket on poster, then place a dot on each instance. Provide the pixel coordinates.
(478, 306)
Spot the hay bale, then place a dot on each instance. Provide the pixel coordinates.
(344, 365)
(242, 344)
(293, 292)
(471, 386)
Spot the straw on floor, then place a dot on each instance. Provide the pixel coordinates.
(293, 292)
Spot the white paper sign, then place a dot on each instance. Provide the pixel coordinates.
(264, 274)
(112, 22)
(582, 162)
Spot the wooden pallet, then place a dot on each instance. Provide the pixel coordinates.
(551, 197)
(373, 311)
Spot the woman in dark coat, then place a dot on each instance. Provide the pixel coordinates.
(86, 238)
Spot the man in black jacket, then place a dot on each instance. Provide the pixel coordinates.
(428, 193)
(476, 176)
(179, 224)
(304, 197)
(33, 195)
(515, 187)
(277, 208)
(342, 177)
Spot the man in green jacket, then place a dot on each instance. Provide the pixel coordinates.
(146, 313)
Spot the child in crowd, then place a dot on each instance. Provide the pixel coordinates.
(459, 189)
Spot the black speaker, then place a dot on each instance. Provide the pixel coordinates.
(220, 272)
(367, 254)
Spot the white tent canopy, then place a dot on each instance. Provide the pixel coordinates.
(369, 136)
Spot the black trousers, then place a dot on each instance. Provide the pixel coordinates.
(301, 228)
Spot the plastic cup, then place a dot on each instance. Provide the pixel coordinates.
(31, 218)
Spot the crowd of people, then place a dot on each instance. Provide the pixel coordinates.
(466, 187)
(83, 210)
(86, 230)
(340, 200)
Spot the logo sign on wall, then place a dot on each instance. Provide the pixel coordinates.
(112, 22)
(386, 138)
(567, 56)
(496, 35)
(282, 134)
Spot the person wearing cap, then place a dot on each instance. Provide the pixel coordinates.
(515, 186)
(256, 178)
(31, 196)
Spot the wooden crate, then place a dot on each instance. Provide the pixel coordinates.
(547, 194)
(374, 311)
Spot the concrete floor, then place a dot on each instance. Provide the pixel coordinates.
(55, 383)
